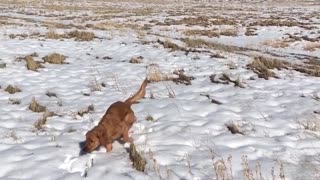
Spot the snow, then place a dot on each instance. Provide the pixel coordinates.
(188, 134)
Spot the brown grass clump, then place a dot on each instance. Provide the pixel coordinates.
(51, 34)
(149, 118)
(168, 44)
(36, 107)
(251, 31)
(311, 70)
(225, 79)
(195, 43)
(312, 46)
(32, 64)
(14, 101)
(43, 120)
(54, 58)
(274, 22)
(261, 65)
(209, 33)
(156, 75)
(182, 78)
(12, 89)
(81, 35)
(138, 162)
(281, 43)
(136, 60)
(3, 65)
(86, 110)
(234, 128)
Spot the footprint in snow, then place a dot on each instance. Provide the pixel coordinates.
(78, 164)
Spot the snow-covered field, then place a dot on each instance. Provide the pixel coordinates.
(226, 119)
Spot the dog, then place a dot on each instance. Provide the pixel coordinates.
(115, 123)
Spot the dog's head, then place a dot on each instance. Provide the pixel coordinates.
(92, 140)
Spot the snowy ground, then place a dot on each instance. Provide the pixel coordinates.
(181, 131)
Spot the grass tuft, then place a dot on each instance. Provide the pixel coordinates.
(36, 107)
(32, 64)
(12, 89)
(54, 58)
(138, 162)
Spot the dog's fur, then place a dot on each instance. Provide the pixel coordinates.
(115, 123)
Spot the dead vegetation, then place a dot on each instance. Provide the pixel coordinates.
(212, 33)
(76, 34)
(234, 128)
(43, 120)
(262, 65)
(225, 79)
(32, 64)
(211, 99)
(277, 43)
(204, 21)
(12, 89)
(3, 65)
(149, 118)
(81, 35)
(34, 106)
(251, 31)
(51, 94)
(138, 162)
(170, 45)
(136, 60)
(312, 46)
(182, 78)
(156, 75)
(51, 34)
(274, 22)
(55, 58)
(14, 101)
(86, 110)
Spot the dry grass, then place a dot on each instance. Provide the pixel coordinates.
(51, 34)
(212, 32)
(196, 43)
(3, 65)
(138, 162)
(32, 64)
(136, 60)
(251, 31)
(36, 107)
(86, 110)
(209, 33)
(312, 46)
(156, 75)
(262, 65)
(55, 58)
(274, 22)
(14, 101)
(149, 118)
(168, 44)
(280, 43)
(234, 128)
(12, 89)
(51, 94)
(225, 79)
(81, 35)
(43, 120)
(182, 78)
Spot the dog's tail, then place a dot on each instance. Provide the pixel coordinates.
(140, 94)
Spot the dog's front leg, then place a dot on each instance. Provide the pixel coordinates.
(125, 135)
(109, 147)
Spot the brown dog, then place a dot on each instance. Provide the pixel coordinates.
(115, 123)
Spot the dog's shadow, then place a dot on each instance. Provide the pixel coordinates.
(82, 144)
